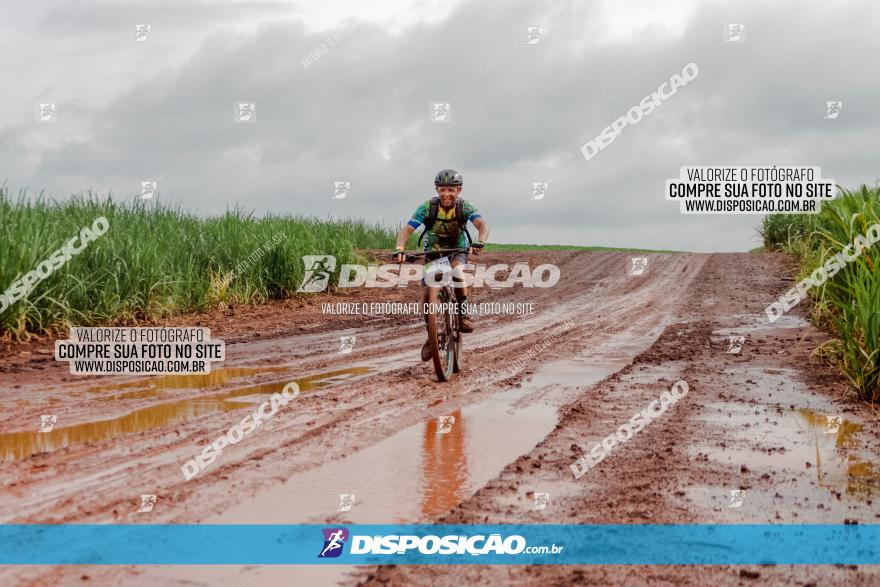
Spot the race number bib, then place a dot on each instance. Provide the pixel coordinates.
(441, 264)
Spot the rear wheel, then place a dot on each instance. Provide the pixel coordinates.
(456, 366)
(441, 333)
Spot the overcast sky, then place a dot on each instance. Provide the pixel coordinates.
(163, 109)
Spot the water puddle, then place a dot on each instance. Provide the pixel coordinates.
(837, 466)
(415, 475)
(791, 441)
(155, 387)
(575, 373)
(20, 445)
(427, 469)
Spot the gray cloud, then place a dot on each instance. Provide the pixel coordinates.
(519, 114)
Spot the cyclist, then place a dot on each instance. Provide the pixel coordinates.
(445, 218)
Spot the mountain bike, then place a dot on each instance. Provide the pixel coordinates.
(441, 317)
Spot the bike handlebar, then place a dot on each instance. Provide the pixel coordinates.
(425, 253)
(413, 256)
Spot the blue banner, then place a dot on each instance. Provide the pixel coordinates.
(620, 544)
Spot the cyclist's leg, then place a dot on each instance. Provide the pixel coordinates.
(459, 260)
(425, 354)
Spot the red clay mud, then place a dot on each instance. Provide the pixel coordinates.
(363, 425)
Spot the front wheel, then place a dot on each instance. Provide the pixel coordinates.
(442, 333)
(456, 364)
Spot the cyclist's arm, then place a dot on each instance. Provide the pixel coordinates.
(483, 227)
(477, 220)
(416, 221)
(403, 236)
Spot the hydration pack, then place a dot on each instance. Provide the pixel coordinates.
(433, 211)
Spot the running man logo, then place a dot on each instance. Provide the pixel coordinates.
(440, 112)
(832, 109)
(149, 189)
(147, 503)
(735, 344)
(346, 500)
(319, 268)
(334, 540)
(341, 189)
(833, 425)
(245, 112)
(736, 498)
(534, 35)
(141, 32)
(346, 343)
(539, 189)
(48, 422)
(444, 424)
(734, 32)
(47, 112)
(541, 500)
(638, 265)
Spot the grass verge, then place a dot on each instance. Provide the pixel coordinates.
(848, 303)
(156, 259)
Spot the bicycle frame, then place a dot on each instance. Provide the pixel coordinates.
(444, 331)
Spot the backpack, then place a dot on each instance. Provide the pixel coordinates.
(433, 210)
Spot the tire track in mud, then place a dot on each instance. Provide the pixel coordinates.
(615, 316)
(752, 422)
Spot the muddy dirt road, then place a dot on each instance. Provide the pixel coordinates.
(600, 345)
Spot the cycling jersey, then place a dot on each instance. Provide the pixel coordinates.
(445, 233)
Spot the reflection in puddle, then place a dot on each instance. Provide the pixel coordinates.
(823, 443)
(444, 465)
(20, 445)
(416, 474)
(833, 467)
(427, 469)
